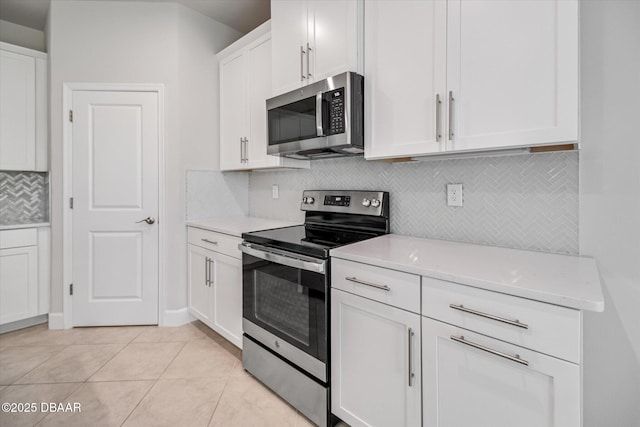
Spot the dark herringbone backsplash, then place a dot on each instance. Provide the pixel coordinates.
(24, 197)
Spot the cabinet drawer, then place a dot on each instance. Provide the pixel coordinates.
(543, 327)
(218, 242)
(18, 238)
(391, 287)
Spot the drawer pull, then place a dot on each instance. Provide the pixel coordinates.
(373, 285)
(411, 374)
(209, 241)
(515, 358)
(490, 316)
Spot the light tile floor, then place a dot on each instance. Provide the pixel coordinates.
(134, 376)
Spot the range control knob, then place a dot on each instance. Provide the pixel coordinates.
(366, 203)
(375, 203)
(310, 200)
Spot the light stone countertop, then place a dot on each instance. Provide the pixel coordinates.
(565, 280)
(235, 226)
(17, 226)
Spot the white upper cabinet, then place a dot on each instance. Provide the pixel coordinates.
(469, 75)
(405, 60)
(513, 72)
(23, 109)
(245, 85)
(313, 40)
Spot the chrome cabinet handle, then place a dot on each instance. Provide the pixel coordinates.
(319, 124)
(411, 375)
(210, 272)
(246, 149)
(210, 241)
(516, 322)
(302, 76)
(206, 271)
(373, 285)
(308, 55)
(438, 125)
(241, 150)
(451, 134)
(149, 220)
(515, 358)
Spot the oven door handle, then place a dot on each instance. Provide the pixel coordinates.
(303, 263)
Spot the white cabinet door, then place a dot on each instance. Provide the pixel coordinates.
(18, 283)
(258, 63)
(232, 112)
(513, 72)
(226, 285)
(405, 71)
(333, 37)
(375, 356)
(199, 291)
(289, 38)
(467, 386)
(17, 111)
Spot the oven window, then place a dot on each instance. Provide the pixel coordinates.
(281, 303)
(292, 122)
(288, 302)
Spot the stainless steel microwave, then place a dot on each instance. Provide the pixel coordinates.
(320, 120)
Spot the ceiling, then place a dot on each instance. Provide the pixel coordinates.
(242, 15)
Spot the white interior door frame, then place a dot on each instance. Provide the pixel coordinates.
(67, 187)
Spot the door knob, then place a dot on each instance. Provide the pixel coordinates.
(148, 220)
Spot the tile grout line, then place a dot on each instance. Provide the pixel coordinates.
(155, 382)
(37, 366)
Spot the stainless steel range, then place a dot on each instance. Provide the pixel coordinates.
(286, 294)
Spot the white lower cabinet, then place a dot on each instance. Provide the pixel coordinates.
(375, 362)
(215, 282)
(474, 380)
(24, 274)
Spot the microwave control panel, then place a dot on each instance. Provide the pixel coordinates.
(335, 99)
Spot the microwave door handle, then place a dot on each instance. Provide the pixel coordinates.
(319, 124)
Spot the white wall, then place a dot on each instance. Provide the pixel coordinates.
(22, 36)
(610, 207)
(141, 42)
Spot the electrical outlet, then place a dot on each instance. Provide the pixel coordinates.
(275, 191)
(454, 194)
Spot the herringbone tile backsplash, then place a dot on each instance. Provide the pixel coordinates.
(525, 201)
(24, 197)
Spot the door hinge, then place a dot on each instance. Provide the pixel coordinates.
(71, 116)
(70, 202)
(71, 289)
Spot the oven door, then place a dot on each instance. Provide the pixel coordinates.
(285, 294)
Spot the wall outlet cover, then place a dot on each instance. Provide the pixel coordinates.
(454, 194)
(275, 191)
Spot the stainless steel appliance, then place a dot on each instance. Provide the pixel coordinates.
(321, 120)
(286, 294)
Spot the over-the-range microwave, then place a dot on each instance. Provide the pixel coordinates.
(320, 120)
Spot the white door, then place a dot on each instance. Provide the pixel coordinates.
(289, 39)
(513, 72)
(375, 356)
(233, 113)
(17, 111)
(405, 72)
(115, 187)
(226, 282)
(466, 386)
(199, 289)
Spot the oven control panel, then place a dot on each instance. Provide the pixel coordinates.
(337, 200)
(373, 203)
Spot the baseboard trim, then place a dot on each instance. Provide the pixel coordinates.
(176, 317)
(56, 321)
(24, 323)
